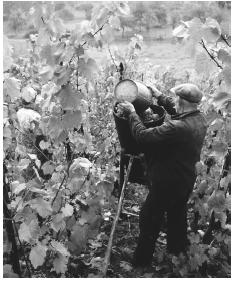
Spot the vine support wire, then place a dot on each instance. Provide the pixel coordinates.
(109, 248)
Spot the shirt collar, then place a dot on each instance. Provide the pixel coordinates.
(185, 114)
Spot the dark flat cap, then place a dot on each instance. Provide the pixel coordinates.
(188, 92)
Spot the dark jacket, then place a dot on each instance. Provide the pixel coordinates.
(172, 149)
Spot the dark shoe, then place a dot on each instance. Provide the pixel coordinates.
(140, 264)
(140, 260)
(143, 254)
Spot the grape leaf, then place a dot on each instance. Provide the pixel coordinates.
(210, 34)
(194, 238)
(24, 232)
(44, 145)
(93, 218)
(7, 48)
(26, 116)
(181, 31)
(76, 183)
(105, 188)
(213, 251)
(107, 35)
(78, 238)
(59, 49)
(47, 53)
(227, 75)
(226, 25)
(89, 38)
(7, 54)
(43, 37)
(12, 87)
(222, 217)
(194, 262)
(123, 8)
(224, 182)
(94, 226)
(219, 146)
(80, 167)
(97, 263)
(6, 132)
(17, 187)
(61, 137)
(79, 50)
(214, 25)
(72, 119)
(8, 272)
(37, 255)
(29, 232)
(203, 186)
(114, 22)
(67, 210)
(126, 266)
(46, 73)
(195, 27)
(204, 64)
(82, 221)
(48, 167)
(60, 264)
(217, 124)
(37, 15)
(217, 201)
(70, 222)
(69, 99)
(5, 113)
(58, 222)
(56, 26)
(224, 56)
(57, 204)
(54, 127)
(23, 164)
(62, 75)
(28, 94)
(60, 248)
(87, 69)
(41, 206)
(220, 100)
(100, 15)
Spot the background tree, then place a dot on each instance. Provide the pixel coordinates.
(17, 20)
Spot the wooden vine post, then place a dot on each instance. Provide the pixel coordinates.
(8, 224)
(109, 248)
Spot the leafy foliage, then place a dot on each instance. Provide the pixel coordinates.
(60, 143)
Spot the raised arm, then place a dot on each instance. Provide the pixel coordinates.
(169, 132)
(167, 103)
(162, 100)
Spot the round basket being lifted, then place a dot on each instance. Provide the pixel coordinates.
(134, 92)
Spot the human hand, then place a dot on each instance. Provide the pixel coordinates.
(154, 91)
(126, 107)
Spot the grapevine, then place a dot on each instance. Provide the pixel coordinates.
(61, 150)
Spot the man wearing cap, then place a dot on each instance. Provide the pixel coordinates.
(171, 152)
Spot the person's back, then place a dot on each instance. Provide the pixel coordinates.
(173, 161)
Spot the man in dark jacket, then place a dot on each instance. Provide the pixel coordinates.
(171, 152)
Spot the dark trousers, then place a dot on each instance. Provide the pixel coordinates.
(150, 221)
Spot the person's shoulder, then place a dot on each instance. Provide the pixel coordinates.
(176, 123)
